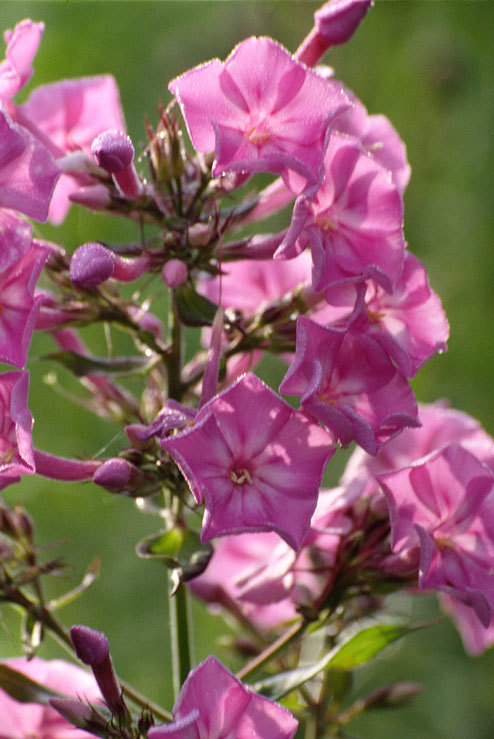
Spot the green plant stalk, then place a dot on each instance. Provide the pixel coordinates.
(180, 637)
(273, 649)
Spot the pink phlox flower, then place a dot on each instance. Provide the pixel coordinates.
(19, 720)
(16, 446)
(255, 461)
(233, 558)
(71, 113)
(213, 703)
(16, 69)
(377, 137)
(349, 384)
(260, 111)
(19, 307)
(475, 636)
(437, 505)
(410, 323)
(353, 223)
(15, 238)
(440, 425)
(28, 172)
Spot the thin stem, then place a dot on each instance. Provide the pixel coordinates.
(273, 649)
(180, 621)
(174, 357)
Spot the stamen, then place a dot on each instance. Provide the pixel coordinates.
(239, 477)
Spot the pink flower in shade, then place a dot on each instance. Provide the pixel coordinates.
(71, 113)
(260, 111)
(410, 323)
(440, 425)
(347, 382)
(16, 69)
(256, 462)
(20, 720)
(28, 172)
(438, 505)
(213, 703)
(19, 307)
(16, 446)
(475, 636)
(15, 238)
(267, 581)
(377, 137)
(353, 223)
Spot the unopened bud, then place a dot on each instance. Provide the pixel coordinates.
(91, 264)
(90, 646)
(81, 715)
(113, 150)
(338, 20)
(117, 475)
(94, 197)
(199, 234)
(174, 273)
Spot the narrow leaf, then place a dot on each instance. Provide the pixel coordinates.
(82, 365)
(194, 309)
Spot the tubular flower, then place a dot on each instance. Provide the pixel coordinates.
(260, 111)
(255, 461)
(16, 449)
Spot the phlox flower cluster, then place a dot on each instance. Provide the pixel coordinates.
(336, 295)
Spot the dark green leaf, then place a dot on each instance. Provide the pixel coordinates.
(194, 309)
(22, 688)
(82, 365)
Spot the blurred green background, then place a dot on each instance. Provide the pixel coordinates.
(429, 66)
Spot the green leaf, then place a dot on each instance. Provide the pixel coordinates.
(352, 652)
(23, 689)
(82, 365)
(180, 550)
(194, 309)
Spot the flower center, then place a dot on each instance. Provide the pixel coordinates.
(325, 224)
(374, 316)
(241, 476)
(257, 137)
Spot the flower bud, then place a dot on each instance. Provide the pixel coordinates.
(114, 152)
(117, 475)
(94, 197)
(79, 714)
(174, 273)
(199, 234)
(91, 264)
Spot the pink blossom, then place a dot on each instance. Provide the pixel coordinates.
(16, 450)
(260, 111)
(213, 703)
(438, 506)
(255, 461)
(28, 172)
(377, 137)
(475, 636)
(71, 113)
(347, 382)
(353, 223)
(410, 323)
(15, 238)
(19, 720)
(19, 306)
(16, 69)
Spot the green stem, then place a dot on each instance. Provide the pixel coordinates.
(174, 357)
(273, 649)
(180, 627)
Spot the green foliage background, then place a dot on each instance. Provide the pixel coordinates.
(429, 66)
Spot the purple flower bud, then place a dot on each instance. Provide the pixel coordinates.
(113, 150)
(91, 646)
(338, 20)
(81, 715)
(95, 197)
(174, 273)
(91, 264)
(116, 475)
